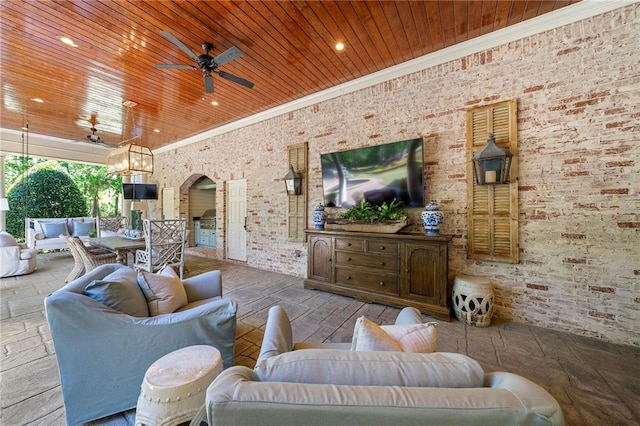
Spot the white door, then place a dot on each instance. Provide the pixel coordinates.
(168, 204)
(237, 220)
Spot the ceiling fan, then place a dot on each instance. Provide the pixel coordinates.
(93, 137)
(207, 63)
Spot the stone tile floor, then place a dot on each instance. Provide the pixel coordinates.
(595, 382)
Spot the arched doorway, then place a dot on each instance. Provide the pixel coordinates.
(198, 204)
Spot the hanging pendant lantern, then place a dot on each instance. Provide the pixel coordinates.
(130, 157)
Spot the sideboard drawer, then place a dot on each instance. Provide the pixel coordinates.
(351, 244)
(385, 263)
(379, 282)
(383, 247)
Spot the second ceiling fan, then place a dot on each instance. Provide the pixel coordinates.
(207, 63)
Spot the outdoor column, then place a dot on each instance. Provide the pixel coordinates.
(3, 214)
(126, 204)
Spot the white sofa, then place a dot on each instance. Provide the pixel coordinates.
(44, 233)
(316, 384)
(15, 259)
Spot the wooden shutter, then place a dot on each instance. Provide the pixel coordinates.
(297, 210)
(493, 209)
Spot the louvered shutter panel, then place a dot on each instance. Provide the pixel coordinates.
(297, 208)
(493, 209)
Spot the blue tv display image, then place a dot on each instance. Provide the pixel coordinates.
(376, 174)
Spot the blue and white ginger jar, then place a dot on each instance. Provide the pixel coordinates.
(432, 218)
(319, 217)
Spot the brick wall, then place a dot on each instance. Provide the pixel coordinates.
(578, 121)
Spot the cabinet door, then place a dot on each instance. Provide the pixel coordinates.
(426, 269)
(320, 261)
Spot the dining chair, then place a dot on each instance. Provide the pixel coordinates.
(164, 245)
(91, 257)
(109, 226)
(79, 263)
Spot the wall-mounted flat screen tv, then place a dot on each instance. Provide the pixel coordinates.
(376, 174)
(140, 191)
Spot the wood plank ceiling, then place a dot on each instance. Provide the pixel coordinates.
(288, 52)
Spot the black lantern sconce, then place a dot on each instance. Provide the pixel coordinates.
(293, 181)
(491, 164)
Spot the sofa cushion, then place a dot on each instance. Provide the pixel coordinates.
(120, 291)
(321, 366)
(369, 336)
(82, 229)
(54, 229)
(164, 291)
(7, 240)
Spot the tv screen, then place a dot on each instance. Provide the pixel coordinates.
(376, 174)
(140, 191)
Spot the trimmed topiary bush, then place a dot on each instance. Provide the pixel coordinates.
(45, 191)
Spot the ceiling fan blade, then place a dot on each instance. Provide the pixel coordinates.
(227, 56)
(178, 43)
(235, 79)
(208, 83)
(176, 66)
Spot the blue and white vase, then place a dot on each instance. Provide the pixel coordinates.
(432, 218)
(319, 217)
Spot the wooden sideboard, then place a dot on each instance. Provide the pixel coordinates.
(393, 269)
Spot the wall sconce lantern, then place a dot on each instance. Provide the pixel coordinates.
(491, 164)
(293, 181)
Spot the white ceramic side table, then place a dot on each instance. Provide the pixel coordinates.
(174, 387)
(473, 300)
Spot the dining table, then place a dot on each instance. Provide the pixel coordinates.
(120, 245)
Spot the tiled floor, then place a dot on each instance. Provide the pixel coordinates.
(596, 383)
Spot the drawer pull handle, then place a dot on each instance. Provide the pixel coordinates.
(381, 263)
(348, 244)
(382, 283)
(348, 259)
(381, 247)
(348, 277)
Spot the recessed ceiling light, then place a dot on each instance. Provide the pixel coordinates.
(68, 41)
(156, 130)
(38, 100)
(214, 103)
(339, 46)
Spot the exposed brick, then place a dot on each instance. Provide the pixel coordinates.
(585, 206)
(524, 188)
(573, 160)
(574, 261)
(616, 124)
(597, 314)
(577, 173)
(573, 236)
(534, 88)
(369, 116)
(602, 289)
(629, 225)
(538, 287)
(620, 163)
(620, 191)
(567, 51)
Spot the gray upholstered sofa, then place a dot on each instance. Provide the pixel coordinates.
(312, 386)
(104, 353)
(43, 233)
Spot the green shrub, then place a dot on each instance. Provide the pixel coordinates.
(45, 191)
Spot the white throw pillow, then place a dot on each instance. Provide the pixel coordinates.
(369, 336)
(164, 291)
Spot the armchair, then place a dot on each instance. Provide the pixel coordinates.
(103, 354)
(15, 259)
(165, 241)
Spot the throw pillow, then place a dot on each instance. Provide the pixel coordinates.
(421, 338)
(7, 240)
(164, 291)
(54, 229)
(369, 336)
(120, 291)
(82, 229)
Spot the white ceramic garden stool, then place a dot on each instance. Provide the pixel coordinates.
(473, 300)
(174, 387)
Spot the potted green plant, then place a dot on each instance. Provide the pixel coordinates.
(366, 217)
